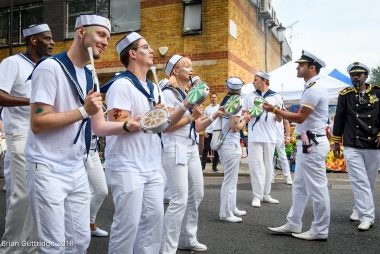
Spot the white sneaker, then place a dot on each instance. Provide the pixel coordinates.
(310, 236)
(194, 247)
(289, 180)
(232, 219)
(354, 216)
(365, 225)
(238, 212)
(99, 232)
(256, 202)
(285, 229)
(270, 200)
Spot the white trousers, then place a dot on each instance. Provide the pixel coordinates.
(61, 209)
(362, 166)
(185, 184)
(260, 162)
(139, 211)
(310, 181)
(282, 158)
(18, 221)
(230, 155)
(98, 183)
(7, 180)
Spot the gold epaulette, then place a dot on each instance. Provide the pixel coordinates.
(347, 90)
(336, 139)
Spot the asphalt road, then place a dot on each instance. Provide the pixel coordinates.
(252, 235)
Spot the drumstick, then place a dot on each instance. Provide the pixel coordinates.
(153, 69)
(94, 76)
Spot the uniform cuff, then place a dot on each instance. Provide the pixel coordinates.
(336, 139)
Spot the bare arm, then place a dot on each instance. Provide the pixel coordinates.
(237, 124)
(203, 122)
(183, 120)
(7, 100)
(298, 117)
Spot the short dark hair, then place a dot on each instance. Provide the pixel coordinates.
(124, 55)
(317, 68)
(211, 94)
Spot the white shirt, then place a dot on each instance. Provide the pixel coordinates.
(209, 110)
(136, 151)
(56, 148)
(14, 72)
(265, 129)
(315, 97)
(229, 136)
(173, 102)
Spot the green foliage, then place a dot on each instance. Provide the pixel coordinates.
(375, 75)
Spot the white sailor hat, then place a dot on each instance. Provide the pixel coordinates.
(194, 80)
(263, 75)
(92, 20)
(357, 67)
(308, 57)
(234, 83)
(126, 41)
(35, 29)
(171, 63)
(163, 83)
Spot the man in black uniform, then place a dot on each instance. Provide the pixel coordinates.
(357, 123)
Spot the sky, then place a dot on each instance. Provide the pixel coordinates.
(338, 31)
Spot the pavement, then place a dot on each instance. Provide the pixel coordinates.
(252, 235)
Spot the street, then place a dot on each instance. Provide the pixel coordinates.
(252, 235)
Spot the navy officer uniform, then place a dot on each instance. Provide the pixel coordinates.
(357, 124)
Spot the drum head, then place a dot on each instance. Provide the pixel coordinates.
(257, 107)
(154, 118)
(198, 93)
(233, 105)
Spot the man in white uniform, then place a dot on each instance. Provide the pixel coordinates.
(133, 161)
(310, 175)
(282, 130)
(261, 140)
(14, 97)
(57, 177)
(209, 110)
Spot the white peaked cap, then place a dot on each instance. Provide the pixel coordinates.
(234, 83)
(171, 63)
(264, 75)
(126, 41)
(92, 20)
(35, 29)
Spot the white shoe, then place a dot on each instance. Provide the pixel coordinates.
(194, 247)
(354, 216)
(289, 180)
(273, 181)
(99, 232)
(285, 229)
(238, 212)
(256, 202)
(270, 200)
(232, 219)
(365, 225)
(310, 236)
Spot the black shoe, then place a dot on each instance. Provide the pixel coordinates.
(214, 169)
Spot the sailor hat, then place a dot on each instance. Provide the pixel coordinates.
(171, 63)
(234, 83)
(357, 67)
(35, 29)
(264, 75)
(92, 20)
(163, 83)
(308, 57)
(126, 41)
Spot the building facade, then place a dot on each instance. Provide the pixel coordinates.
(222, 37)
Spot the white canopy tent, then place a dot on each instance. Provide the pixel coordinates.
(284, 81)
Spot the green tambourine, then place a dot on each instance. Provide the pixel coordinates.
(257, 108)
(233, 105)
(198, 93)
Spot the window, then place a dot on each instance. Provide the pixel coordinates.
(124, 14)
(192, 16)
(23, 16)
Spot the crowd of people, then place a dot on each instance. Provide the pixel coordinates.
(55, 182)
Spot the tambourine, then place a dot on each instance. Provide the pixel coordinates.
(198, 93)
(233, 105)
(257, 107)
(155, 121)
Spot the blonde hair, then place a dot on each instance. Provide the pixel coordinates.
(184, 62)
